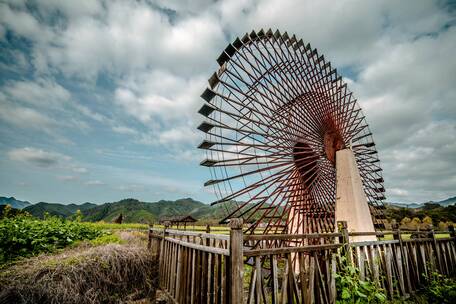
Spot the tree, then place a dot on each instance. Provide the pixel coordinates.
(415, 223)
(78, 217)
(431, 206)
(405, 221)
(443, 226)
(427, 222)
(7, 210)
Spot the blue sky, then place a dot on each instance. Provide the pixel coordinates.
(98, 99)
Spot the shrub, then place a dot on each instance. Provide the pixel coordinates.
(350, 289)
(24, 236)
(441, 289)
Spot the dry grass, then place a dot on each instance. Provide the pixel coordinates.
(110, 273)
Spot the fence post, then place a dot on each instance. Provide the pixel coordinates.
(452, 231)
(345, 240)
(395, 229)
(236, 261)
(153, 245)
(149, 242)
(166, 224)
(208, 240)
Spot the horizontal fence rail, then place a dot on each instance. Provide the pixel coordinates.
(200, 267)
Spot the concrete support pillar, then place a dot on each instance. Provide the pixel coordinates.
(351, 201)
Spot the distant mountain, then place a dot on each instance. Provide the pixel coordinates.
(16, 204)
(445, 203)
(135, 211)
(60, 210)
(448, 202)
(404, 205)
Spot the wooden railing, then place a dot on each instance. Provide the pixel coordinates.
(212, 268)
(193, 267)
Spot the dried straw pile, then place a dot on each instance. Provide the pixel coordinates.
(103, 274)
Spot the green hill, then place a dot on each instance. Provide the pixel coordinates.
(60, 210)
(135, 211)
(16, 204)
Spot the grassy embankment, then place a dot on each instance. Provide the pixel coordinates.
(58, 261)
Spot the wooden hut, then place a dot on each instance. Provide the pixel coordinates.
(182, 220)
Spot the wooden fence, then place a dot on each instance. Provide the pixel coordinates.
(212, 268)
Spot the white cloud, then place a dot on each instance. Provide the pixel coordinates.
(95, 183)
(124, 130)
(166, 104)
(80, 170)
(24, 117)
(399, 192)
(71, 9)
(348, 32)
(24, 24)
(37, 157)
(42, 105)
(178, 136)
(160, 95)
(42, 92)
(131, 188)
(67, 178)
(117, 38)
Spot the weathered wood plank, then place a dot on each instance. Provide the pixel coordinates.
(287, 250)
(361, 263)
(178, 272)
(302, 277)
(193, 278)
(321, 281)
(290, 236)
(258, 280)
(236, 261)
(311, 297)
(220, 276)
(212, 278)
(375, 265)
(332, 288)
(389, 271)
(180, 233)
(293, 286)
(400, 269)
(199, 247)
(252, 285)
(283, 293)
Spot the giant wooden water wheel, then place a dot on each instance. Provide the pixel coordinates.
(276, 112)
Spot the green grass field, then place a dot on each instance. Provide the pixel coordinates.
(407, 236)
(114, 226)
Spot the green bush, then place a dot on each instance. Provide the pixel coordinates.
(441, 289)
(350, 289)
(24, 236)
